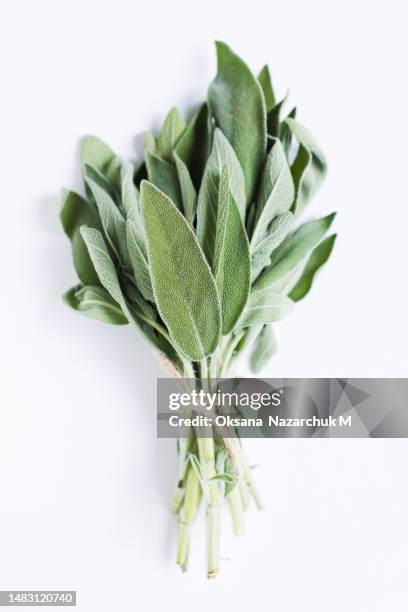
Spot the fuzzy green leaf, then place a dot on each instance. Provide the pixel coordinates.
(188, 192)
(138, 258)
(294, 249)
(276, 192)
(224, 478)
(264, 78)
(309, 167)
(91, 173)
(194, 146)
(99, 254)
(273, 118)
(317, 259)
(163, 175)
(263, 348)
(222, 155)
(96, 153)
(236, 100)
(265, 306)
(231, 266)
(75, 211)
(95, 303)
(183, 286)
(129, 194)
(173, 127)
(285, 134)
(277, 232)
(113, 223)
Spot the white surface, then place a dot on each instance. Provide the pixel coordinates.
(84, 484)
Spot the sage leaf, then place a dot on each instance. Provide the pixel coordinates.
(95, 303)
(194, 146)
(91, 173)
(293, 250)
(317, 259)
(273, 118)
(188, 192)
(190, 157)
(276, 192)
(264, 78)
(285, 134)
(163, 175)
(75, 211)
(277, 232)
(236, 100)
(137, 252)
(222, 155)
(265, 306)
(309, 167)
(173, 127)
(232, 481)
(130, 199)
(149, 142)
(96, 153)
(224, 478)
(113, 223)
(104, 266)
(231, 267)
(184, 288)
(263, 348)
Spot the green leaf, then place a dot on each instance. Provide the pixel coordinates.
(188, 192)
(263, 348)
(265, 306)
(309, 167)
(224, 478)
(163, 175)
(149, 142)
(91, 173)
(264, 78)
(316, 260)
(129, 193)
(173, 127)
(96, 303)
(222, 155)
(277, 232)
(273, 119)
(231, 263)
(293, 250)
(113, 223)
(75, 212)
(99, 254)
(231, 267)
(113, 173)
(104, 266)
(138, 258)
(276, 192)
(184, 288)
(232, 481)
(96, 153)
(194, 146)
(285, 134)
(236, 100)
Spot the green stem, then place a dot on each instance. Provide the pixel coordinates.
(237, 511)
(188, 511)
(207, 458)
(244, 493)
(247, 474)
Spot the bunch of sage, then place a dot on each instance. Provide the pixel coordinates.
(201, 250)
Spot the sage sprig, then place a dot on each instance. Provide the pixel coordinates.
(201, 250)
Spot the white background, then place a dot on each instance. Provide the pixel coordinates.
(84, 484)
